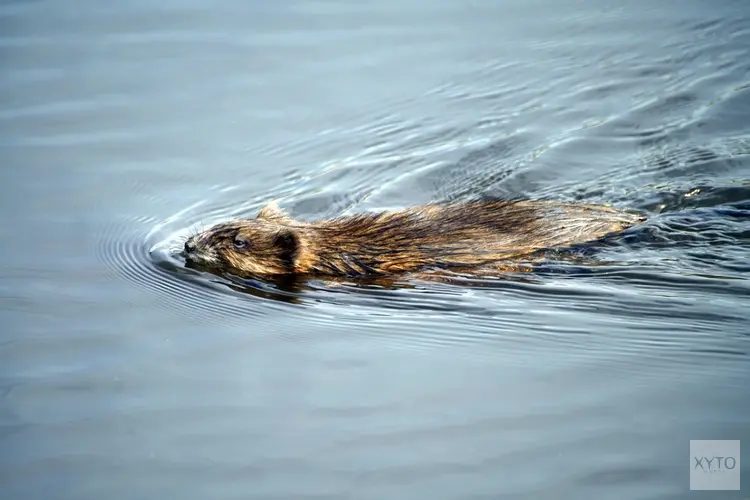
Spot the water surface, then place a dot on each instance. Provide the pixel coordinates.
(126, 126)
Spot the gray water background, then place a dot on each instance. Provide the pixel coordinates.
(126, 125)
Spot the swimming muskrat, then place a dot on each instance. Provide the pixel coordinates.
(463, 237)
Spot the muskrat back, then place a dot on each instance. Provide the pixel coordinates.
(449, 236)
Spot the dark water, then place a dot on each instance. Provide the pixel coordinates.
(124, 126)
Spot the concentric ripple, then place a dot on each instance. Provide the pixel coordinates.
(696, 240)
(622, 271)
(150, 259)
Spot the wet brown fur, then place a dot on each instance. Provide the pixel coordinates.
(457, 237)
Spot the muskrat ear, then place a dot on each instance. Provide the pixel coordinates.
(272, 211)
(287, 241)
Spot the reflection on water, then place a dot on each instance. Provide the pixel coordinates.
(124, 128)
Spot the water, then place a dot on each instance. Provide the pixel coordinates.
(125, 126)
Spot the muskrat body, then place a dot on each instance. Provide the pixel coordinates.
(460, 237)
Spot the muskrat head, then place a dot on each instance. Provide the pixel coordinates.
(266, 245)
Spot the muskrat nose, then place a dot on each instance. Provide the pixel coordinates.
(189, 246)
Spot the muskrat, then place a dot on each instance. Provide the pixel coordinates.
(460, 236)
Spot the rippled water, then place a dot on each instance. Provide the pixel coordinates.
(126, 126)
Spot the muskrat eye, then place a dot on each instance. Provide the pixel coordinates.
(240, 242)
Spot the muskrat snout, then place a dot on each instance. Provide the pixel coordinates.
(197, 249)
